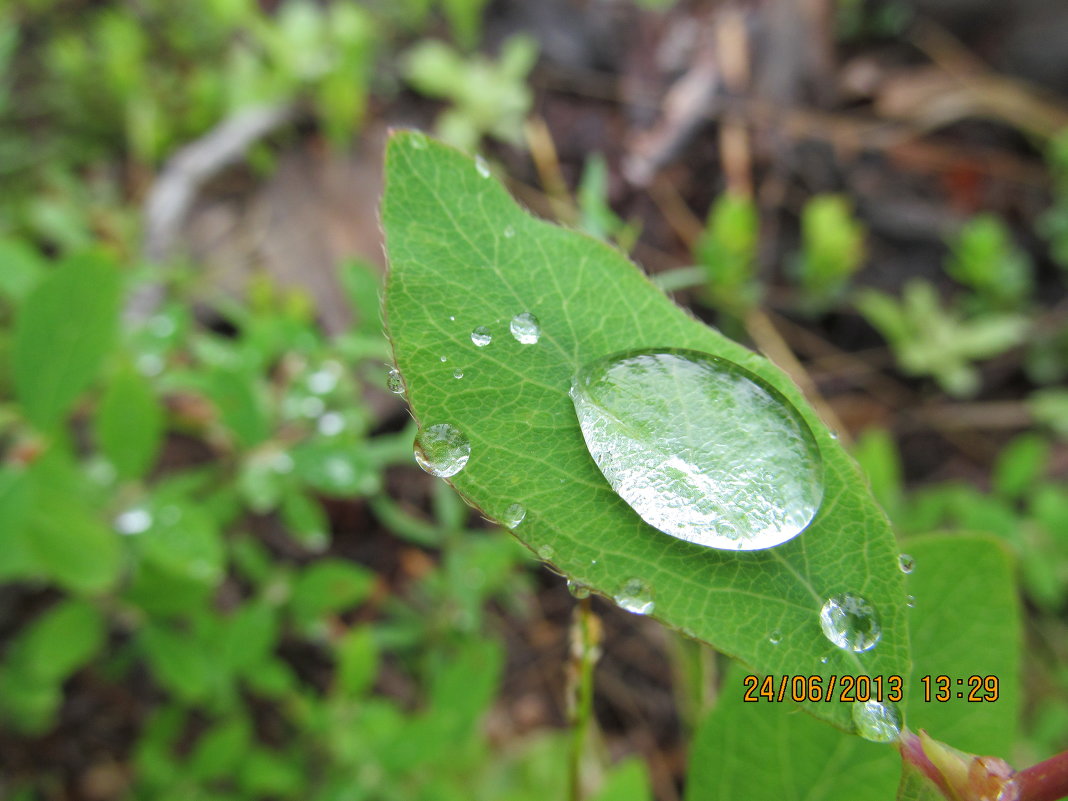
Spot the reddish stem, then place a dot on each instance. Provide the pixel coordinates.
(1046, 781)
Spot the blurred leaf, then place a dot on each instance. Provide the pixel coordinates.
(306, 521)
(878, 456)
(182, 538)
(178, 661)
(69, 543)
(727, 250)
(363, 286)
(58, 642)
(64, 331)
(247, 637)
(221, 750)
(1020, 465)
(335, 468)
(1049, 407)
(832, 248)
(15, 505)
(327, 587)
(627, 781)
(21, 268)
(445, 223)
(984, 257)
(129, 424)
(237, 396)
(357, 662)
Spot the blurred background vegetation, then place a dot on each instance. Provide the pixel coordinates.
(221, 575)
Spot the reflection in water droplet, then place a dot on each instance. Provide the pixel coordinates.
(442, 450)
(481, 336)
(824, 660)
(133, 521)
(877, 721)
(394, 383)
(513, 515)
(457, 374)
(482, 166)
(910, 601)
(509, 232)
(850, 622)
(775, 637)
(578, 589)
(635, 596)
(906, 563)
(699, 447)
(525, 328)
(546, 552)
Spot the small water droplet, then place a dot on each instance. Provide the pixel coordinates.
(444, 359)
(824, 660)
(133, 521)
(775, 637)
(546, 552)
(452, 318)
(906, 563)
(635, 596)
(700, 448)
(525, 328)
(394, 382)
(877, 721)
(910, 601)
(457, 374)
(442, 450)
(850, 622)
(418, 141)
(482, 166)
(513, 515)
(833, 433)
(509, 232)
(578, 589)
(481, 336)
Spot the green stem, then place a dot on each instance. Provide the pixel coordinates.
(584, 655)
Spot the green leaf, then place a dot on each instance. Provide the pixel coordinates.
(21, 268)
(70, 544)
(464, 255)
(963, 624)
(59, 642)
(179, 662)
(1021, 464)
(221, 749)
(628, 781)
(129, 424)
(327, 587)
(63, 332)
(357, 662)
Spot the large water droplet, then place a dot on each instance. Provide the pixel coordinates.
(525, 328)
(442, 450)
(700, 448)
(906, 563)
(635, 596)
(481, 336)
(850, 622)
(513, 515)
(877, 721)
(394, 382)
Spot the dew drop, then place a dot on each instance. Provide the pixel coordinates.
(418, 141)
(394, 383)
(452, 318)
(482, 166)
(850, 622)
(457, 374)
(133, 521)
(877, 721)
(699, 447)
(910, 601)
(906, 563)
(578, 589)
(442, 450)
(509, 232)
(546, 552)
(444, 359)
(635, 596)
(775, 637)
(481, 336)
(513, 515)
(824, 660)
(525, 328)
